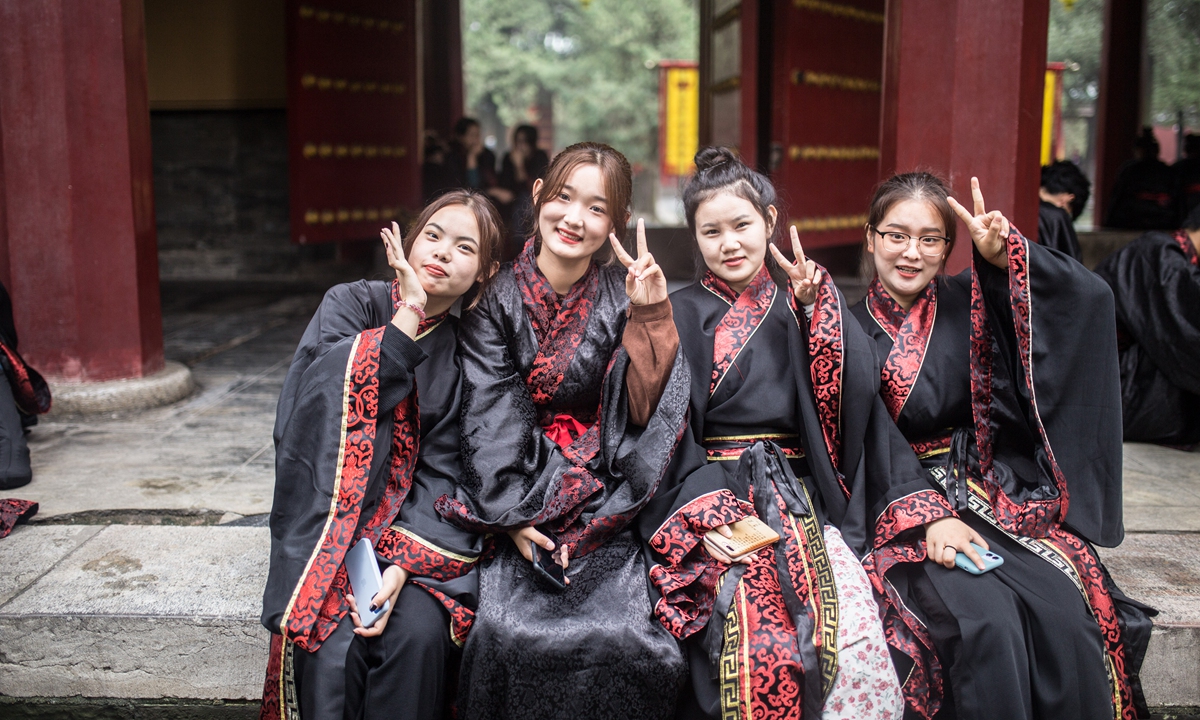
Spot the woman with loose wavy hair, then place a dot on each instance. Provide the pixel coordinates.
(573, 402)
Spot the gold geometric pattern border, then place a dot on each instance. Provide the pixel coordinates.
(823, 152)
(311, 81)
(345, 215)
(841, 82)
(839, 10)
(308, 12)
(330, 150)
(824, 224)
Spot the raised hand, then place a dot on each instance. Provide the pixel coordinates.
(989, 230)
(410, 285)
(803, 273)
(645, 284)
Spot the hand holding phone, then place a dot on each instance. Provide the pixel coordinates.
(365, 580)
(991, 561)
(748, 536)
(547, 567)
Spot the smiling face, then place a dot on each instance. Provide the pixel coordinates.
(575, 223)
(906, 273)
(733, 237)
(445, 254)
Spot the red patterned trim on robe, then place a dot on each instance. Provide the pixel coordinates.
(826, 351)
(558, 322)
(687, 583)
(932, 446)
(746, 312)
(1185, 244)
(421, 557)
(910, 339)
(461, 616)
(761, 671)
(911, 511)
(923, 688)
(30, 391)
(13, 511)
(1033, 518)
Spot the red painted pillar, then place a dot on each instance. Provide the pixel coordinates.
(962, 96)
(1119, 110)
(78, 248)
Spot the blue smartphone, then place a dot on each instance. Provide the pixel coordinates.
(365, 580)
(991, 561)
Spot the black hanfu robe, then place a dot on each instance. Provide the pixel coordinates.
(1056, 230)
(1006, 385)
(1156, 282)
(359, 456)
(547, 442)
(23, 396)
(786, 424)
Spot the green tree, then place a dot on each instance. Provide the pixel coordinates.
(1173, 39)
(596, 59)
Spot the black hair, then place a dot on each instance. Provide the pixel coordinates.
(463, 125)
(719, 169)
(1064, 176)
(529, 131)
(1147, 143)
(1192, 222)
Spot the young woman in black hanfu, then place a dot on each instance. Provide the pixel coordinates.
(565, 439)
(1156, 283)
(1004, 380)
(786, 425)
(366, 440)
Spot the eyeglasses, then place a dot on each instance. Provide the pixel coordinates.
(927, 245)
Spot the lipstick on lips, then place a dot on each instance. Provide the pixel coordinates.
(569, 237)
(733, 261)
(435, 270)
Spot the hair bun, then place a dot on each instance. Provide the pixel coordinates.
(710, 157)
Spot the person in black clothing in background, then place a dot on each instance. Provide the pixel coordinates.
(522, 165)
(469, 164)
(1156, 284)
(1143, 196)
(1063, 194)
(1187, 175)
(23, 397)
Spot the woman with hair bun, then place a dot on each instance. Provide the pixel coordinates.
(786, 427)
(1004, 380)
(572, 405)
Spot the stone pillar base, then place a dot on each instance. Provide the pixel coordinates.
(172, 383)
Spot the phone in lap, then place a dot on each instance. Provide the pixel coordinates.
(991, 561)
(545, 566)
(365, 580)
(749, 535)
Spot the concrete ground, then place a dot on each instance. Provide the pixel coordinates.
(141, 576)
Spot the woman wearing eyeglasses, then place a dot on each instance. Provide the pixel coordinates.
(1004, 380)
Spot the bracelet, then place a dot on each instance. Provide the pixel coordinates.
(420, 311)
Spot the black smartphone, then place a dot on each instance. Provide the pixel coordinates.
(543, 563)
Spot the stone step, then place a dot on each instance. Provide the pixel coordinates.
(136, 611)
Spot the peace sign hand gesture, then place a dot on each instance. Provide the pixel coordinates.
(989, 230)
(803, 273)
(645, 284)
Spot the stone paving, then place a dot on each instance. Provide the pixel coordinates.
(106, 595)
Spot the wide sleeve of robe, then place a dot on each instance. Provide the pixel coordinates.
(1046, 387)
(352, 367)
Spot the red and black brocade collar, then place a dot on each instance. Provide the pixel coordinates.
(546, 308)
(910, 331)
(1189, 250)
(890, 314)
(746, 312)
(759, 287)
(425, 325)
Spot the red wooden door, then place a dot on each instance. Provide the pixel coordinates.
(353, 116)
(827, 68)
